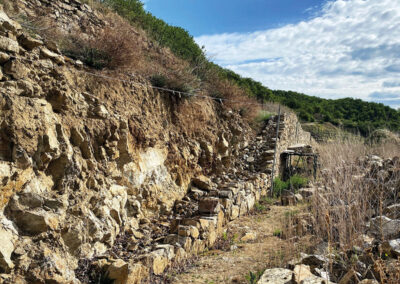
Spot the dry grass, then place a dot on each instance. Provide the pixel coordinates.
(124, 49)
(355, 190)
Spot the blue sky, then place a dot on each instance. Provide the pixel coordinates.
(228, 16)
(330, 49)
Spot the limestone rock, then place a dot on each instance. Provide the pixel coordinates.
(101, 111)
(35, 222)
(391, 248)
(47, 54)
(209, 205)
(386, 226)
(137, 273)
(15, 68)
(312, 279)
(29, 42)
(6, 249)
(202, 182)
(251, 236)
(4, 57)
(8, 45)
(123, 273)
(276, 276)
(307, 192)
(6, 24)
(234, 212)
(301, 272)
(288, 200)
(118, 271)
(157, 261)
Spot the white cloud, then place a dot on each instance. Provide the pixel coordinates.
(351, 49)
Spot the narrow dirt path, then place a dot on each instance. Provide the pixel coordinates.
(237, 257)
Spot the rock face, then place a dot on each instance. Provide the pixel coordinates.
(103, 179)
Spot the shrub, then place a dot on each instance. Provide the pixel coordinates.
(279, 186)
(294, 182)
(113, 47)
(158, 80)
(297, 181)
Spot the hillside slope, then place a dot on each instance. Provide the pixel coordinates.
(104, 176)
(353, 114)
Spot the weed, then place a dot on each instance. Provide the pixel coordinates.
(268, 200)
(259, 207)
(277, 233)
(253, 277)
(291, 213)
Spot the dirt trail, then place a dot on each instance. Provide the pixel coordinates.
(232, 266)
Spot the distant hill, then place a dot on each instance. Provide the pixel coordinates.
(355, 115)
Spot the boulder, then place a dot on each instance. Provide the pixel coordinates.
(307, 192)
(314, 261)
(276, 276)
(101, 111)
(391, 248)
(118, 271)
(158, 261)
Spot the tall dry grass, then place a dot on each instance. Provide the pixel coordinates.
(354, 187)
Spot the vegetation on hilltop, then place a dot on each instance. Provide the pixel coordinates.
(351, 114)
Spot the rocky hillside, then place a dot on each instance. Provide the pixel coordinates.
(106, 177)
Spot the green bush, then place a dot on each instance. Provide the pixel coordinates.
(279, 186)
(295, 182)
